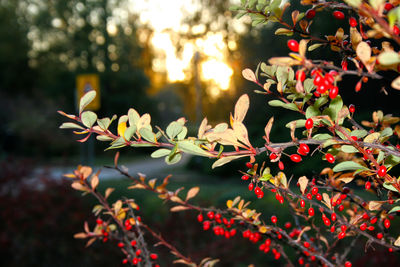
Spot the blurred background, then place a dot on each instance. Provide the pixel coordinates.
(167, 58)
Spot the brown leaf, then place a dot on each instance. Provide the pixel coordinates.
(90, 241)
(85, 171)
(116, 157)
(375, 205)
(303, 47)
(137, 186)
(80, 235)
(241, 107)
(303, 182)
(327, 200)
(249, 75)
(396, 83)
(397, 242)
(268, 127)
(192, 192)
(355, 37)
(78, 186)
(364, 52)
(176, 199)
(108, 192)
(152, 183)
(94, 182)
(240, 132)
(178, 208)
(295, 15)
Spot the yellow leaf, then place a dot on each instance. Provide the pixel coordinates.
(137, 186)
(192, 192)
(121, 128)
(152, 182)
(229, 203)
(121, 215)
(69, 175)
(371, 137)
(262, 229)
(396, 83)
(327, 200)
(268, 127)
(78, 186)
(176, 199)
(117, 206)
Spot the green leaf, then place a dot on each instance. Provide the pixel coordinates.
(314, 46)
(173, 129)
(147, 135)
(322, 137)
(71, 125)
(88, 118)
(348, 166)
(129, 132)
(299, 123)
(308, 85)
(284, 31)
(190, 148)
(380, 157)
(182, 134)
(133, 116)
(321, 101)
(103, 138)
(389, 58)
(224, 160)
(142, 145)
(159, 153)
(278, 103)
(335, 106)
(312, 111)
(394, 209)
(86, 100)
(359, 133)
(104, 123)
(265, 177)
(349, 149)
(175, 158)
(386, 132)
(389, 187)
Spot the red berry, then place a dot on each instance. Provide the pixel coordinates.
(367, 185)
(318, 197)
(135, 261)
(379, 235)
(121, 244)
(295, 158)
(274, 219)
(354, 138)
(310, 14)
(300, 75)
(200, 217)
(314, 190)
(386, 223)
(293, 45)
(309, 196)
(260, 195)
(99, 221)
(330, 158)
(251, 186)
(333, 217)
(371, 228)
(396, 30)
(124, 261)
(301, 261)
(304, 149)
(245, 177)
(347, 264)
(341, 208)
(333, 92)
(281, 165)
(341, 235)
(288, 225)
(257, 190)
(309, 124)
(210, 215)
(272, 156)
(358, 86)
(352, 108)
(388, 6)
(302, 203)
(353, 22)
(390, 249)
(373, 220)
(382, 171)
(338, 14)
(153, 256)
(306, 244)
(133, 243)
(363, 227)
(311, 212)
(249, 165)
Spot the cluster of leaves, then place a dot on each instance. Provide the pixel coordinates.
(326, 210)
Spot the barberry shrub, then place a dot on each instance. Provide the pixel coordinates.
(352, 201)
